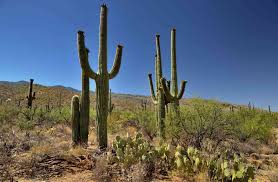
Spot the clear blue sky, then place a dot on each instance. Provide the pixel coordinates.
(227, 50)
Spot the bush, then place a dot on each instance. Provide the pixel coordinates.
(256, 124)
(198, 123)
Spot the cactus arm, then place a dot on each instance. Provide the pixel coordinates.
(182, 89)
(83, 56)
(152, 90)
(117, 63)
(166, 91)
(34, 95)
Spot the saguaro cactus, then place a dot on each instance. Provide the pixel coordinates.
(31, 96)
(102, 77)
(158, 95)
(75, 120)
(172, 94)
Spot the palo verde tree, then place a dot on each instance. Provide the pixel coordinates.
(102, 77)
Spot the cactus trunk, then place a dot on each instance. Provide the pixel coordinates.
(84, 109)
(102, 87)
(102, 77)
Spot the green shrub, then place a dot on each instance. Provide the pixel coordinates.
(254, 124)
(198, 123)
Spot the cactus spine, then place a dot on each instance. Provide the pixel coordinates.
(158, 96)
(102, 77)
(172, 94)
(75, 120)
(31, 96)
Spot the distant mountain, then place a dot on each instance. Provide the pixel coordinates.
(14, 83)
(54, 94)
(68, 88)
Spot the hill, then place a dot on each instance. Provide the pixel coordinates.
(55, 95)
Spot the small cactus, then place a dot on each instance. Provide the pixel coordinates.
(31, 95)
(171, 93)
(75, 120)
(102, 77)
(144, 105)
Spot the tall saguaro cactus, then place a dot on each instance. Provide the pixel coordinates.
(31, 95)
(158, 95)
(172, 94)
(102, 77)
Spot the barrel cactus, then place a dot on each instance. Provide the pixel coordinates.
(102, 77)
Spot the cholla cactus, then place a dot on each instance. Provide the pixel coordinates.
(172, 94)
(158, 95)
(102, 77)
(31, 95)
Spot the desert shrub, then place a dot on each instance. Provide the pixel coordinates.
(145, 120)
(256, 124)
(8, 113)
(115, 121)
(198, 123)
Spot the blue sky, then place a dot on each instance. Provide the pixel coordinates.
(227, 50)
